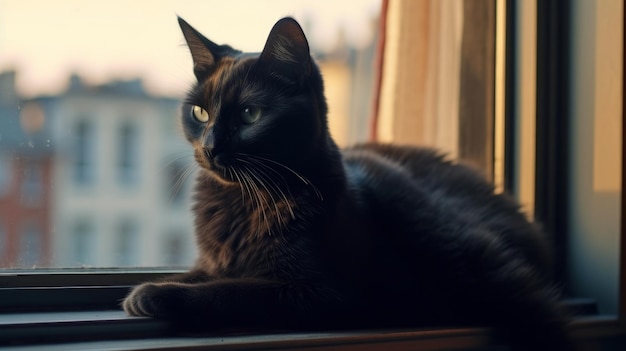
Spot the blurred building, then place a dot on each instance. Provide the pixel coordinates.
(117, 200)
(116, 158)
(26, 162)
(349, 78)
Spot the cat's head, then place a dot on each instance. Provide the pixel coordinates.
(250, 107)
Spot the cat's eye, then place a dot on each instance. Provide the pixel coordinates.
(250, 115)
(200, 114)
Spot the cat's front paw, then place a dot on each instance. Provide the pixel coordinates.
(152, 300)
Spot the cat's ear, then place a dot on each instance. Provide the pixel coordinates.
(204, 52)
(287, 50)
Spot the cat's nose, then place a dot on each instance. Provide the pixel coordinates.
(209, 140)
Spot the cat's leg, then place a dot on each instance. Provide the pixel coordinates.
(131, 303)
(234, 302)
(191, 277)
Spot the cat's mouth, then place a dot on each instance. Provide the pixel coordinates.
(218, 166)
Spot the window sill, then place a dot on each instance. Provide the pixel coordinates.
(48, 327)
(113, 330)
(92, 330)
(79, 310)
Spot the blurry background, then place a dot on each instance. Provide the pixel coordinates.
(93, 169)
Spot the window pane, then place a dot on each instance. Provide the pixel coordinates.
(30, 245)
(5, 173)
(32, 184)
(94, 170)
(128, 157)
(596, 144)
(174, 249)
(84, 152)
(3, 244)
(83, 244)
(127, 244)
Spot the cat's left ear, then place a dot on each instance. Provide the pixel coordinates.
(287, 50)
(204, 52)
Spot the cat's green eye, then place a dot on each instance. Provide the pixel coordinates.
(200, 114)
(250, 115)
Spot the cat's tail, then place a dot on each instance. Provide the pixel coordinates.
(520, 302)
(542, 325)
(529, 314)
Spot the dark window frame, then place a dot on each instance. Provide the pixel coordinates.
(552, 122)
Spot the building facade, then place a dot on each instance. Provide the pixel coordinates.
(117, 197)
(26, 172)
(94, 177)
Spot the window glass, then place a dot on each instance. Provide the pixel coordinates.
(174, 249)
(5, 173)
(83, 149)
(3, 243)
(595, 188)
(83, 244)
(32, 184)
(30, 245)
(89, 106)
(127, 244)
(128, 157)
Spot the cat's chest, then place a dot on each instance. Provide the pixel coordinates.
(236, 239)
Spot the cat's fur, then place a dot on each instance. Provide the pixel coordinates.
(293, 233)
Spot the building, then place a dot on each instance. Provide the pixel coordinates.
(117, 196)
(94, 177)
(26, 162)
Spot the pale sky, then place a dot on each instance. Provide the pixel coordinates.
(46, 40)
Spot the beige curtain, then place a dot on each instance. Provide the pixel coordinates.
(419, 97)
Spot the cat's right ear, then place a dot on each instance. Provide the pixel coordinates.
(287, 50)
(204, 52)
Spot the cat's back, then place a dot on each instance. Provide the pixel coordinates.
(407, 186)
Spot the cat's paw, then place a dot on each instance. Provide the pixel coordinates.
(152, 300)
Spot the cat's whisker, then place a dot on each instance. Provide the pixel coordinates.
(176, 159)
(274, 184)
(241, 186)
(302, 178)
(254, 200)
(257, 163)
(176, 187)
(264, 185)
(260, 197)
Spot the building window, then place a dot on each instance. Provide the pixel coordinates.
(83, 242)
(30, 245)
(174, 249)
(32, 184)
(5, 175)
(84, 152)
(128, 157)
(3, 243)
(127, 244)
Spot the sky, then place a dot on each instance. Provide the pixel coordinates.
(47, 40)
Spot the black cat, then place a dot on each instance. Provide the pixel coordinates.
(294, 233)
